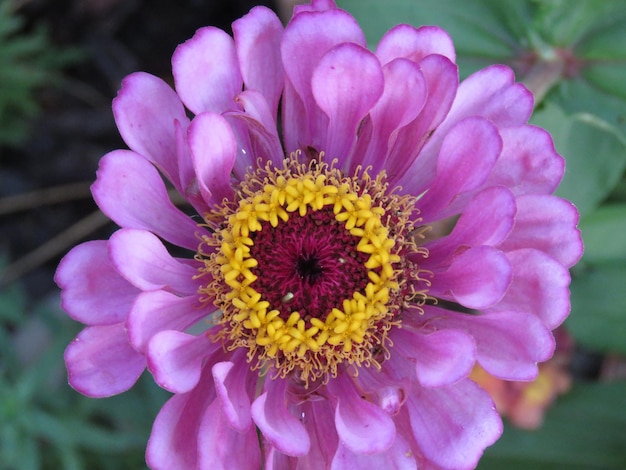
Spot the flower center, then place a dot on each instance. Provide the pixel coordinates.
(309, 268)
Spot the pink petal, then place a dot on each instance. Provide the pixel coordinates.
(176, 359)
(145, 111)
(130, 191)
(87, 278)
(143, 260)
(100, 361)
(213, 150)
(454, 424)
(529, 163)
(362, 426)
(540, 286)
(403, 165)
(558, 236)
(346, 83)
(467, 156)
(234, 384)
(314, 5)
(477, 278)
(442, 357)
(221, 447)
(159, 310)
(271, 415)
(257, 39)
(173, 443)
(318, 418)
(402, 100)
(398, 457)
(306, 39)
(486, 220)
(508, 344)
(261, 125)
(413, 43)
(206, 71)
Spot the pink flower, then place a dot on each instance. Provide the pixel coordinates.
(367, 230)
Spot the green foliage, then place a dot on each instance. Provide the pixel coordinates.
(27, 63)
(44, 424)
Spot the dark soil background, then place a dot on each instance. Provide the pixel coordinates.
(75, 126)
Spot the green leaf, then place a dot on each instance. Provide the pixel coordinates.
(603, 232)
(585, 429)
(598, 318)
(594, 151)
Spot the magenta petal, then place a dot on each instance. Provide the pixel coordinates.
(477, 278)
(453, 425)
(413, 43)
(100, 361)
(357, 418)
(346, 83)
(466, 158)
(257, 39)
(145, 111)
(558, 236)
(87, 278)
(143, 260)
(130, 191)
(156, 311)
(540, 286)
(271, 415)
(508, 344)
(529, 163)
(206, 71)
(442, 357)
(176, 359)
(173, 443)
(213, 150)
(221, 447)
(233, 384)
(398, 457)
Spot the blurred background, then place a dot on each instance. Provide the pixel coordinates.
(61, 64)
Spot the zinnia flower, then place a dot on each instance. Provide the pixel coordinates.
(366, 229)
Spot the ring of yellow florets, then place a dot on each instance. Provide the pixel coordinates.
(350, 332)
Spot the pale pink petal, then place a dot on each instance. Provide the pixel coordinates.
(346, 83)
(413, 43)
(87, 278)
(540, 286)
(142, 259)
(159, 310)
(206, 71)
(441, 358)
(357, 418)
(176, 359)
(558, 236)
(508, 344)
(146, 110)
(467, 156)
(221, 447)
(529, 163)
(278, 425)
(213, 151)
(100, 361)
(130, 191)
(306, 39)
(401, 102)
(477, 278)
(486, 220)
(453, 424)
(398, 457)
(257, 40)
(235, 383)
(173, 443)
